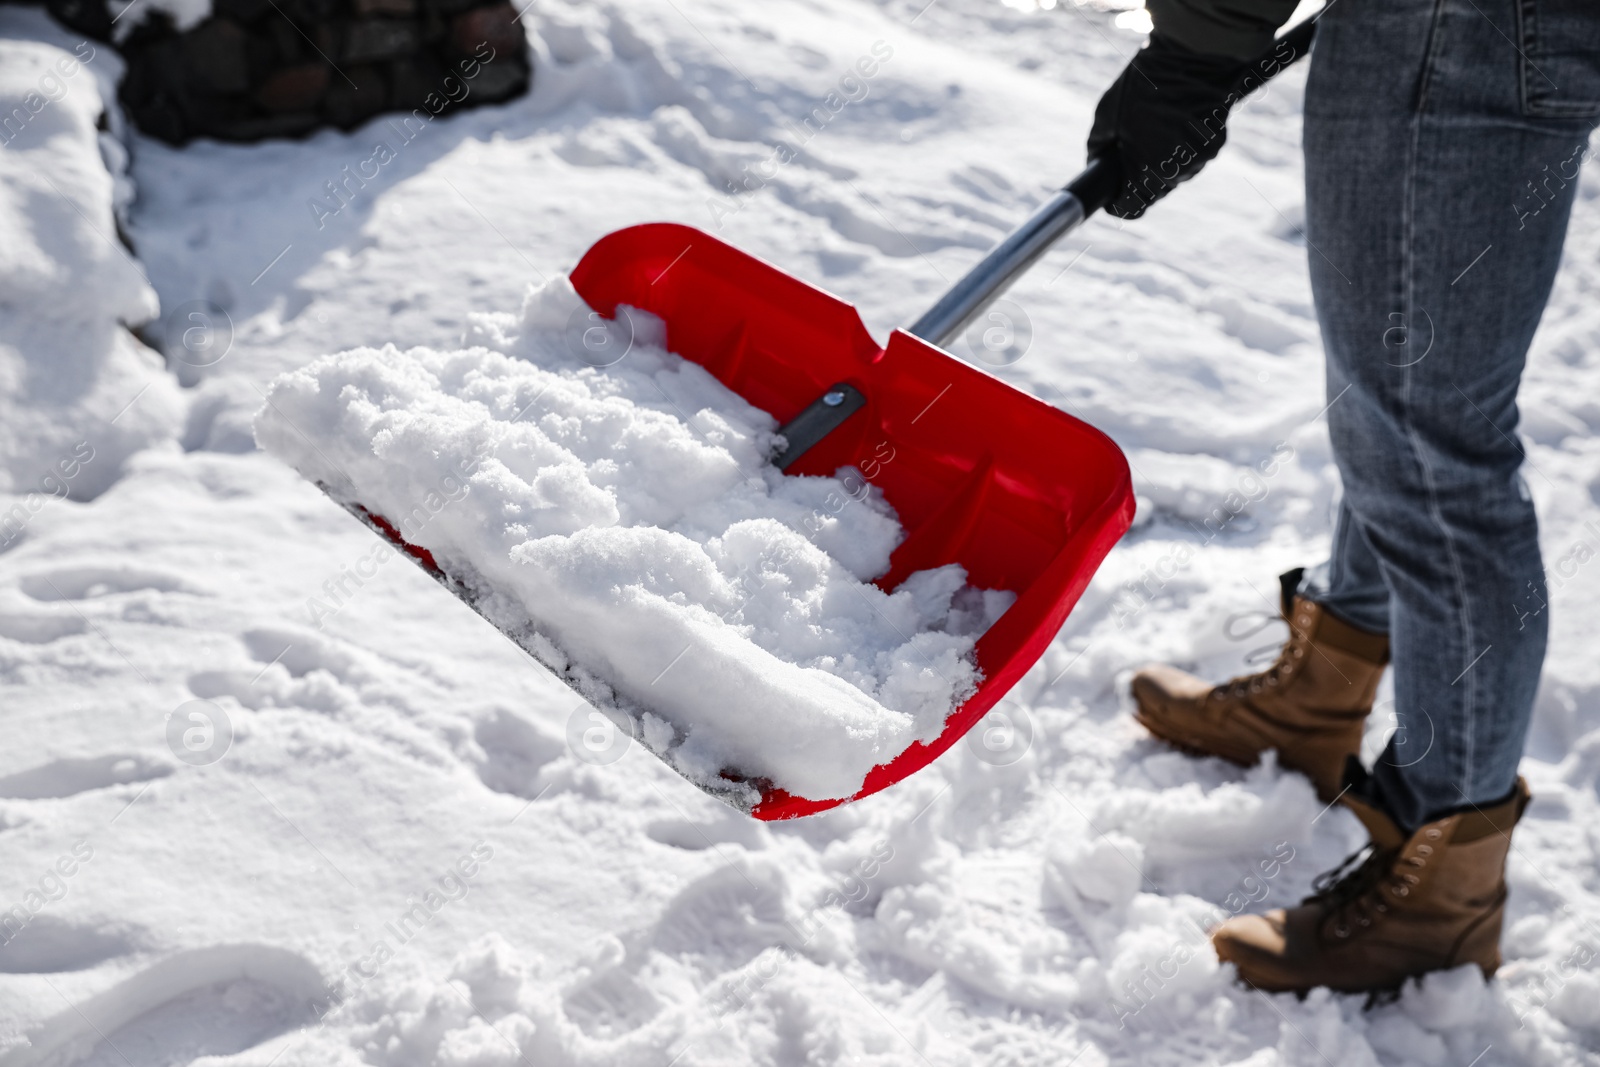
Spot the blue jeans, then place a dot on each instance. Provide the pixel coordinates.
(1442, 141)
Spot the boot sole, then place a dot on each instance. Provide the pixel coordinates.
(1377, 995)
(1193, 748)
(1190, 747)
(1376, 998)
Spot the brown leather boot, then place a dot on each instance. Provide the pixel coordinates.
(1422, 902)
(1311, 705)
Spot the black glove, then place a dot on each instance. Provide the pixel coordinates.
(1163, 119)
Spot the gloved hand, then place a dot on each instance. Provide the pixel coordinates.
(1163, 119)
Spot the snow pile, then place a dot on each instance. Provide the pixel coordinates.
(630, 517)
(78, 392)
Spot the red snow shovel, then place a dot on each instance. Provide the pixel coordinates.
(1024, 496)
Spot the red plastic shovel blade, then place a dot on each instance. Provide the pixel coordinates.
(1024, 496)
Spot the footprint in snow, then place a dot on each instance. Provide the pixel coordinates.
(301, 652)
(215, 1001)
(718, 829)
(48, 945)
(85, 583)
(514, 749)
(322, 675)
(37, 628)
(71, 776)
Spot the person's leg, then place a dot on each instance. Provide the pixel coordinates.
(1442, 140)
(1426, 120)
(1430, 265)
(1349, 583)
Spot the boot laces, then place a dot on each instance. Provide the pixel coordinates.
(1291, 651)
(1242, 625)
(1348, 891)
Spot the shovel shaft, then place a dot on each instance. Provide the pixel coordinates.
(995, 272)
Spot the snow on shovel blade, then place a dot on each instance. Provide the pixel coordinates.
(1024, 496)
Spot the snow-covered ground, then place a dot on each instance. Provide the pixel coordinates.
(238, 828)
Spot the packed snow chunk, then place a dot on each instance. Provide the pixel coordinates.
(79, 393)
(1107, 869)
(629, 517)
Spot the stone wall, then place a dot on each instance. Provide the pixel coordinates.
(282, 68)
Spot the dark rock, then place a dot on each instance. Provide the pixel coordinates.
(91, 17)
(293, 124)
(503, 79)
(411, 80)
(155, 90)
(206, 114)
(152, 72)
(282, 68)
(144, 29)
(434, 27)
(287, 41)
(347, 105)
(260, 55)
(391, 8)
(298, 88)
(214, 55)
(160, 115)
(495, 25)
(245, 11)
(309, 13)
(373, 39)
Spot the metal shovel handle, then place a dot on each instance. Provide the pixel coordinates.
(1023, 246)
